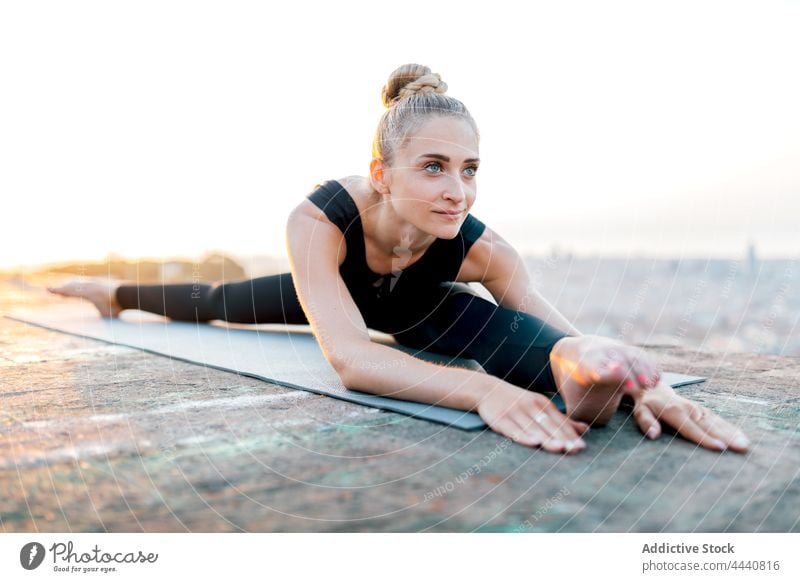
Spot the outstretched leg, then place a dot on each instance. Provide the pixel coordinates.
(519, 348)
(270, 299)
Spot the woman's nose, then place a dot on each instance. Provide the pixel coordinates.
(455, 190)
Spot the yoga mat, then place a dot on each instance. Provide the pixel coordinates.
(273, 353)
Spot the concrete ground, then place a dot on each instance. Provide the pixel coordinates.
(95, 437)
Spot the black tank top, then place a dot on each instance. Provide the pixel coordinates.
(393, 301)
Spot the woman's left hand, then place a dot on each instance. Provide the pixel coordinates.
(691, 420)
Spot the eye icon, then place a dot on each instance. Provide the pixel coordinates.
(31, 555)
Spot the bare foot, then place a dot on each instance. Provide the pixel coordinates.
(592, 374)
(101, 292)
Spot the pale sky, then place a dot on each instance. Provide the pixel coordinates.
(155, 129)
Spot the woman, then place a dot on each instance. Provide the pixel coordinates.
(393, 251)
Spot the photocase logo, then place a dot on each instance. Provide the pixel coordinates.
(31, 555)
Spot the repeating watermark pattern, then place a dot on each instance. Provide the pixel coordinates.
(196, 286)
(543, 510)
(169, 452)
(474, 469)
(352, 360)
(684, 324)
(777, 306)
(730, 277)
(400, 258)
(550, 263)
(363, 364)
(691, 308)
(81, 279)
(636, 307)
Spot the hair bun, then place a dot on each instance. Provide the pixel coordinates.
(408, 80)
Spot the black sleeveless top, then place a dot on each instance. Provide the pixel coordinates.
(396, 300)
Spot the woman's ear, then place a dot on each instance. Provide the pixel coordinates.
(377, 176)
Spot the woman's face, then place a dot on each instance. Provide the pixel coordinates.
(432, 181)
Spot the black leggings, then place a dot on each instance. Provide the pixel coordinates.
(508, 344)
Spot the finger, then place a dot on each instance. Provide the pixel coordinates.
(692, 431)
(647, 422)
(724, 431)
(542, 425)
(517, 433)
(536, 435)
(579, 426)
(562, 436)
(562, 425)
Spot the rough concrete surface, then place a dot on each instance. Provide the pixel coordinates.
(96, 437)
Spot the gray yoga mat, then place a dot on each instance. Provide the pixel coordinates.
(273, 353)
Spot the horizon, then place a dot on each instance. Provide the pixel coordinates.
(579, 251)
(245, 259)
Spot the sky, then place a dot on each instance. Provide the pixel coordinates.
(164, 129)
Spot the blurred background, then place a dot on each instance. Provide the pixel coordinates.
(643, 156)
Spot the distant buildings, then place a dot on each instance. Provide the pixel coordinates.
(719, 305)
(752, 259)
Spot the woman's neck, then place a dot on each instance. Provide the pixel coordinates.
(392, 234)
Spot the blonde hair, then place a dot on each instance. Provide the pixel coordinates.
(412, 94)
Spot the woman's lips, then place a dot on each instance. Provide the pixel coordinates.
(449, 214)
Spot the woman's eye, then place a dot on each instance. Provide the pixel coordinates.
(471, 171)
(433, 167)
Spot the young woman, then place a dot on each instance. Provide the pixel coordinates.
(392, 251)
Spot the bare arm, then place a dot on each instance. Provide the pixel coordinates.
(316, 248)
(383, 370)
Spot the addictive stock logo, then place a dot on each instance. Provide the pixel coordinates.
(31, 556)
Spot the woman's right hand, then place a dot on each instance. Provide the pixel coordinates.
(530, 419)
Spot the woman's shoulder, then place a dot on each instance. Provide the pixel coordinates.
(353, 185)
(473, 229)
(488, 251)
(359, 189)
(355, 188)
(336, 200)
(357, 184)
